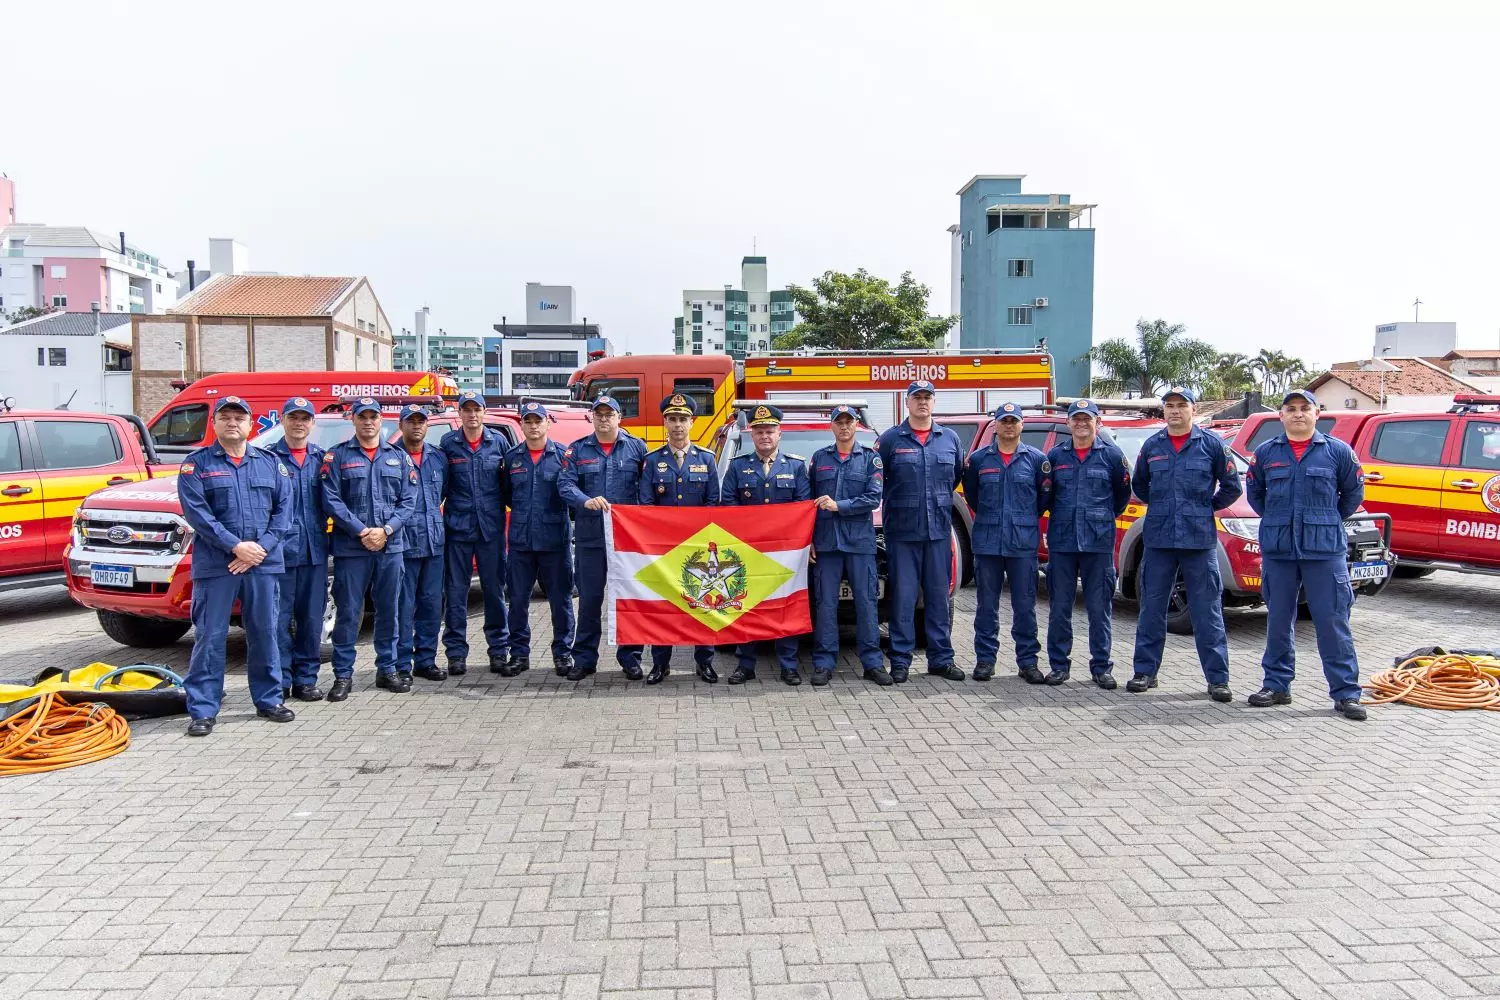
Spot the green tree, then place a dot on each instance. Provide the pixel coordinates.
(1232, 376)
(1160, 357)
(860, 312)
(24, 313)
(1278, 372)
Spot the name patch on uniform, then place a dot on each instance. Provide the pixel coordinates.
(211, 475)
(989, 472)
(1157, 458)
(393, 461)
(352, 465)
(697, 468)
(785, 475)
(907, 451)
(588, 461)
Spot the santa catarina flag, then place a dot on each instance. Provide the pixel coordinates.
(703, 576)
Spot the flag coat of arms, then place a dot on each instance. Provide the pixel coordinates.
(703, 576)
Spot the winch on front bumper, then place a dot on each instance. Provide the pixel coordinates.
(1371, 561)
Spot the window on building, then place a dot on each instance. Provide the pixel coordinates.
(359, 347)
(626, 391)
(116, 359)
(1018, 316)
(1012, 220)
(2, 301)
(76, 444)
(718, 307)
(158, 288)
(59, 270)
(375, 354)
(697, 348)
(541, 380)
(544, 359)
(57, 357)
(59, 302)
(1018, 268)
(1410, 442)
(1481, 446)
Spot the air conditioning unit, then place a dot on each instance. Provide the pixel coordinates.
(1040, 303)
(1351, 403)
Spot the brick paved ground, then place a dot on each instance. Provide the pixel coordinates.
(530, 837)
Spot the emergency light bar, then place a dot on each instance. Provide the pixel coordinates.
(398, 400)
(800, 404)
(1469, 402)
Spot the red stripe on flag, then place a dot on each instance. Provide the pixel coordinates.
(768, 527)
(664, 624)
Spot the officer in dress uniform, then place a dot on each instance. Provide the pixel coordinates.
(1303, 484)
(474, 533)
(1183, 475)
(601, 469)
(422, 579)
(538, 537)
(1090, 488)
(848, 479)
(304, 586)
(1006, 484)
(238, 500)
(370, 491)
(680, 474)
(768, 475)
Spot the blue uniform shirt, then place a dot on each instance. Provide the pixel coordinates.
(694, 484)
(538, 516)
(587, 472)
(424, 533)
(746, 481)
(228, 503)
(1007, 500)
(472, 509)
(361, 493)
(307, 542)
(1303, 504)
(1182, 489)
(919, 482)
(1086, 497)
(857, 483)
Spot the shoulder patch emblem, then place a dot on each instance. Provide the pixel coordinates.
(187, 468)
(283, 469)
(878, 463)
(1046, 466)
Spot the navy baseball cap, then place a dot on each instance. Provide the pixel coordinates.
(608, 401)
(231, 401)
(470, 396)
(1185, 393)
(533, 409)
(365, 404)
(766, 415)
(1007, 410)
(1083, 406)
(1302, 393)
(843, 410)
(678, 403)
(298, 404)
(921, 385)
(413, 410)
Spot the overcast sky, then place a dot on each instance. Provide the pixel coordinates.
(1286, 179)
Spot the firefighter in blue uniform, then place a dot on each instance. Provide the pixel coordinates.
(601, 469)
(924, 463)
(1090, 488)
(767, 475)
(1006, 485)
(680, 474)
(538, 537)
(1183, 475)
(422, 563)
(370, 491)
(304, 586)
(848, 480)
(238, 500)
(1303, 484)
(474, 531)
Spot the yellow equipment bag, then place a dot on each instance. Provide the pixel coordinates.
(138, 691)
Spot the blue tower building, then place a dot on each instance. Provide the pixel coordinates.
(1027, 274)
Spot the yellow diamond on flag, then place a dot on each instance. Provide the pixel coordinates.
(714, 576)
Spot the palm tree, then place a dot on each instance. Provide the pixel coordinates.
(1231, 377)
(1161, 357)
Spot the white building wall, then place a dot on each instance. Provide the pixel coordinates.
(1415, 340)
(46, 386)
(514, 374)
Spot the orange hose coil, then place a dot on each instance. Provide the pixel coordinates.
(51, 735)
(1450, 683)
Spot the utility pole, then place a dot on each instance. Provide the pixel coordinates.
(1416, 310)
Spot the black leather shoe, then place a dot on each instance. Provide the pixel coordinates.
(201, 727)
(1265, 698)
(501, 665)
(949, 672)
(1220, 692)
(561, 665)
(306, 692)
(899, 674)
(1055, 677)
(392, 683)
(707, 674)
(658, 674)
(341, 688)
(1140, 683)
(879, 677)
(277, 713)
(984, 671)
(578, 672)
(1351, 709)
(405, 678)
(741, 675)
(1031, 675)
(457, 667)
(633, 672)
(820, 678)
(1105, 680)
(518, 664)
(791, 678)
(433, 673)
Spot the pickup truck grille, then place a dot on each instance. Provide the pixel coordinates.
(105, 532)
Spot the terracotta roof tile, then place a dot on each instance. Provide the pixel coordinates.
(1415, 377)
(1453, 355)
(266, 295)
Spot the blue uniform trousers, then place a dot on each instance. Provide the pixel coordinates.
(421, 613)
(1205, 597)
(928, 566)
(460, 556)
(380, 575)
(661, 656)
(554, 569)
(304, 598)
(213, 602)
(990, 574)
(786, 653)
(1098, 572)
(592, 571)
(1325, 584)
(829, 571)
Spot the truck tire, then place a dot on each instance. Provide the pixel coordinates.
(146, 633)
(965, 557)
(1179, 620)
(325, 646)
(1414, 572)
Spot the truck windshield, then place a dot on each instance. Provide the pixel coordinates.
(326, 433)
(181, 425)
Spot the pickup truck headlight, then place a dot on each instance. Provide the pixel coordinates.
(1247, 528)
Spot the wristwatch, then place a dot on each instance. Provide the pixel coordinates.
(387, 529)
